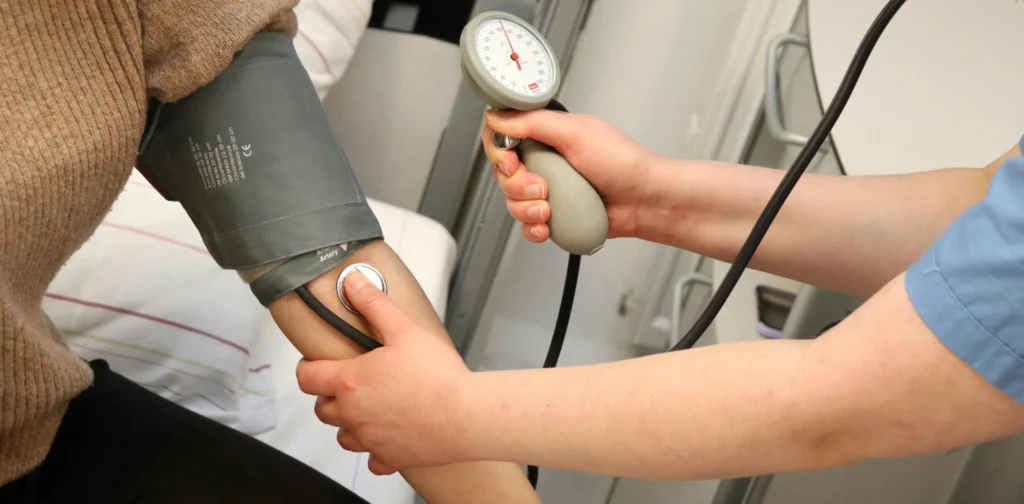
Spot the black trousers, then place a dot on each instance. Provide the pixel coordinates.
(121, 443)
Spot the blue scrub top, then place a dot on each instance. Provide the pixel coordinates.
(969, 286)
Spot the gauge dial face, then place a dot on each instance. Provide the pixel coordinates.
(514, 57)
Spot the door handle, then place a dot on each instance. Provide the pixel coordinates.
(677, 301)
(772, 108)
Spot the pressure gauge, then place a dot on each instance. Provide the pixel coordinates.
(508, 63)
(510, 66)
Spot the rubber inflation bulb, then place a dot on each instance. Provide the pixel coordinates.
(579, 220)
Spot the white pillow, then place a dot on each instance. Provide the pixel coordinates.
(145, 295)
(329, 31)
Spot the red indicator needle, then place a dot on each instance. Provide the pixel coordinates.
(515, 55)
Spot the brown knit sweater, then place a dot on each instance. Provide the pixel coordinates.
(75, 77)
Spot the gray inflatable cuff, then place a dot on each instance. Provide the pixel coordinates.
(253, 160)
(300, 270)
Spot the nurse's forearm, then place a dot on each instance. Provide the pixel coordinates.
(878, 385)
(496, 482)
(846, 234)
(712, 412)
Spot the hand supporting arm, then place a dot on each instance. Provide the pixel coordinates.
(495, 482)
(846, 234)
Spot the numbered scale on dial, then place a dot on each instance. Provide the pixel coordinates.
(513, 56)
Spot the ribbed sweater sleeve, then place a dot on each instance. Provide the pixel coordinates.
(75, 77)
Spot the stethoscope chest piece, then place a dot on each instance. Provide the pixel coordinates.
(371, 274)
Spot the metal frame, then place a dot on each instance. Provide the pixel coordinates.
(460, 193)
(459, 149)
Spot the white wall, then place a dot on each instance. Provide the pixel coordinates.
(941, 89)
(650, 66)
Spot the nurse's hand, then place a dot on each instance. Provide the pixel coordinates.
(395, 402)
(615, 164)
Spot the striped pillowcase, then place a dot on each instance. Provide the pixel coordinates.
(143, 294)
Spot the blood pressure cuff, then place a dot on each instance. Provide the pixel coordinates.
(253, 160)
(969, 286)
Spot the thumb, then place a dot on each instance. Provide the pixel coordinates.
(377, 308)
(545, 126)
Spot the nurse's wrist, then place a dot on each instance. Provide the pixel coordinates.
(462, 404)
(665, 207)
(475, 412)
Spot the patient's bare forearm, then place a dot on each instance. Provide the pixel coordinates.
(317, 340)
(492, 482)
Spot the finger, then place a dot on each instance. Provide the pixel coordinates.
(529, 212)
(536, 233)
(376, 467)
(545, 126)
(348, 441)
(382, 313)
(326, 411)
(524, 186)
(318, 378)
(505, 161)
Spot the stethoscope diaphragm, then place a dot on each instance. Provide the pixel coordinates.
(371, 274)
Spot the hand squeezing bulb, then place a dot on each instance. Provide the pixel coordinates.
(511, 67)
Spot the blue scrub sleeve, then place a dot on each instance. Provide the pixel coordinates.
(969, 286)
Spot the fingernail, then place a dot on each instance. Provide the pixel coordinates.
(503, 168)
(355, 280)
(534, 192)
(535, 231)
(534, 212)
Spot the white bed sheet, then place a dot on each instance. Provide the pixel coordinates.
(429, 252)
